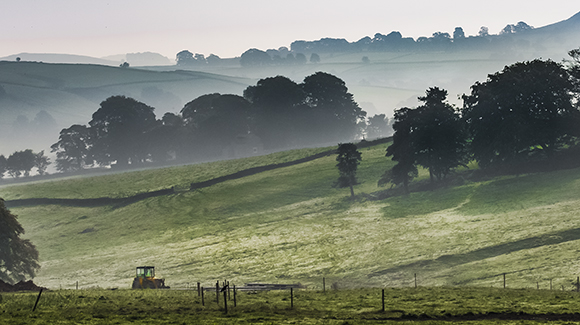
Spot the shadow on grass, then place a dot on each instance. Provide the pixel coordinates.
(487, 252)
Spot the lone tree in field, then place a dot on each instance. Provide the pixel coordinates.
(348, 159)
(18, 257)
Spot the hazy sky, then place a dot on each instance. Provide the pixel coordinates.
(229, 27)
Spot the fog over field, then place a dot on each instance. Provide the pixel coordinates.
(52, 86)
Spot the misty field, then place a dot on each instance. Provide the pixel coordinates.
(361, 306)
(292, 225)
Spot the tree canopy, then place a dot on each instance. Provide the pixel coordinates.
(525, 109)
(18, 257)
(348, 159)
(119, 126)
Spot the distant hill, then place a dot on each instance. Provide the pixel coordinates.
(58, 58)
(71, 93)
(134, 59)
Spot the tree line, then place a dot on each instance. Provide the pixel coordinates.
(528, 114)
(275, 114)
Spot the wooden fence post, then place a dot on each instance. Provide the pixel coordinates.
(217, 292)
(383, 299)
(77, 285)
(291, 298)
(235, 303)
(415, 280)
(504, 280)
(37, 299)
(229, 296)
(198, 289)
(226, 301)
(202, 301)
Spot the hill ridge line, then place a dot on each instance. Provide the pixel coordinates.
(123, 201)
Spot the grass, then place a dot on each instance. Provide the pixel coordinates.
(292, 225)
(361, 306)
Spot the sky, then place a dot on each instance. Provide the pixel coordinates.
(227, 28)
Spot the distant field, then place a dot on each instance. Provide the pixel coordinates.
(292, 225)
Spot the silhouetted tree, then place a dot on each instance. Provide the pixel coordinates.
(20, 162)
(73, 149)
(184, 58)
(41, 162)
(216, 120)
(314, 58)
(458, 33)
(483, 31)
(329, 95)
(300, 58)
(119, 126)
(213, 59)
(278, 103)
(348, 160)
(3, 165)
(526, 108)
(18, 257)
(255, 57)
(437, 134)
(402, 150)
(377, 126)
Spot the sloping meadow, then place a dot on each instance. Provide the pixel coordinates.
(292, 225)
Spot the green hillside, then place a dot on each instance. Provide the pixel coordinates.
(291, 225)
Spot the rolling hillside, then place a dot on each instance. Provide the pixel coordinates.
(291, 225)
(71, 93)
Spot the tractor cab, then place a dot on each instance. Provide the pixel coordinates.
(145, 272)
(145, 279)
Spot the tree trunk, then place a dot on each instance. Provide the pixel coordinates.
(351, 191)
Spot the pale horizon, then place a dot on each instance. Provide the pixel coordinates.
(227, 28)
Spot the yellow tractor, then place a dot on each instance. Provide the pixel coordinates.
(145, 279)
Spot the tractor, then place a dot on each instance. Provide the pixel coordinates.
(145, 279)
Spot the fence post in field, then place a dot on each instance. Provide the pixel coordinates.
(202, 301)
(37, 299)
(550, 284)
(235, 303)
(415, 280)
(292, 298)
(226, 301)
(217, 292)
(504, 280)
(198, 289)
(229, 296)
(77, 285)
(383, 299)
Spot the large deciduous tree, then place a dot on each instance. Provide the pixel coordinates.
(329, 96)
(18, 257)
(278, 103)
(437, 134)
(216, 120)
(119, 127)
(73, 149)
(20, 162)
(526, 108)
(348, 159)
(402, 151)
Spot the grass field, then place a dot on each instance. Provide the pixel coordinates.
(291, 225)
(361, 306)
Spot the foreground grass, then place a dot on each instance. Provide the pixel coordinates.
(362, 306)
